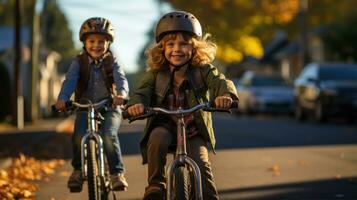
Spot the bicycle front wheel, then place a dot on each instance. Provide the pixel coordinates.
(93, 171)
(183, 184)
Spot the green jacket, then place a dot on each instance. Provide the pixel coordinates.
(206, 81)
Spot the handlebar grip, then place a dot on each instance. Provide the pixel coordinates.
(68, 106)
(54, 109)
(234, 104)
(126, 114)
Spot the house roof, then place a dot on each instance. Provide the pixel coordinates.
(279, 41)
(290, 49)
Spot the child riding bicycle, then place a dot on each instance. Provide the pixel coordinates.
(180, 76)
(95, 75)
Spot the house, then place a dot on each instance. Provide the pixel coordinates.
(286, 56)
(48, 78)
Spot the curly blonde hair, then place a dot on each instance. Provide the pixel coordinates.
(204, 50)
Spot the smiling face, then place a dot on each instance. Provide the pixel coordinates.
(177, 50)
(96, 45)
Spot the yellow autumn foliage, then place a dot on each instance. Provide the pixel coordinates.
(251, 46)
(245, 45)
(229, 54)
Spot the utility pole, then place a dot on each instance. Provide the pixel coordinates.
(18, 100)
(302, 18)
(34, 59)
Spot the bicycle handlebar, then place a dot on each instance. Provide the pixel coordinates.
(94, 105)
(70, 105)
(157, 110)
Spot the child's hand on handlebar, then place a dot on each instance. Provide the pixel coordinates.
(223, 102)
(118, 100)
(60, 105)
(136, 109)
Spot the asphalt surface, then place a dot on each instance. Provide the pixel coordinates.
(257, 158)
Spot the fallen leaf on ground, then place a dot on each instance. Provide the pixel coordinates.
(65, 174)
(16, 181)
(275, 169)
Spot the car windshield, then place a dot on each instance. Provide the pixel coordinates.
(338, 73)
(268, 81)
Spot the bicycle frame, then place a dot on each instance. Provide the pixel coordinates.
(92, 134)
(93, 157)
(181, 159)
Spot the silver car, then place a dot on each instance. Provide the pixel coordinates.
(262, 93)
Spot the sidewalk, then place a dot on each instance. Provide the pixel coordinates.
(63, 125)
(42, 125)
(38, 139)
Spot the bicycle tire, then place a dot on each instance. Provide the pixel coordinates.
(182, 184)
(104, 183)
(92, 177)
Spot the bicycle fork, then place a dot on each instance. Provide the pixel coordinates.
(84, 153)
(183, 159)
(90, 135)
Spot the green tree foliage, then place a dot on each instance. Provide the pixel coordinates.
(7, 12)
(55, 30)
(339, 19)
(341, 39)
(242, 27)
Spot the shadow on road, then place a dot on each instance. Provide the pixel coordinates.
(250, 132)
(51, 145)
(343, 188)
(231, 133)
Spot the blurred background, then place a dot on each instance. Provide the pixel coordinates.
(294, 135)
(38, 39)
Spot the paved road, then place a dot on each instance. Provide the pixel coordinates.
(257, 158)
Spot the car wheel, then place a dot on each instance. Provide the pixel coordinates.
(299, 112)
(320, 114)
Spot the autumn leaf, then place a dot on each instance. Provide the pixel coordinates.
(65, 174)
(26, 193)
(275, 169)
(16, 181)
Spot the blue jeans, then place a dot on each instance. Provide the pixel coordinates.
(109, 133)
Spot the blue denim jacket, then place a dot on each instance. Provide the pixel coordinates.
(94, 93)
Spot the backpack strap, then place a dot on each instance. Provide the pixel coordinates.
(197, 79)
(162, 82)
(84, 72)
(107, 72)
